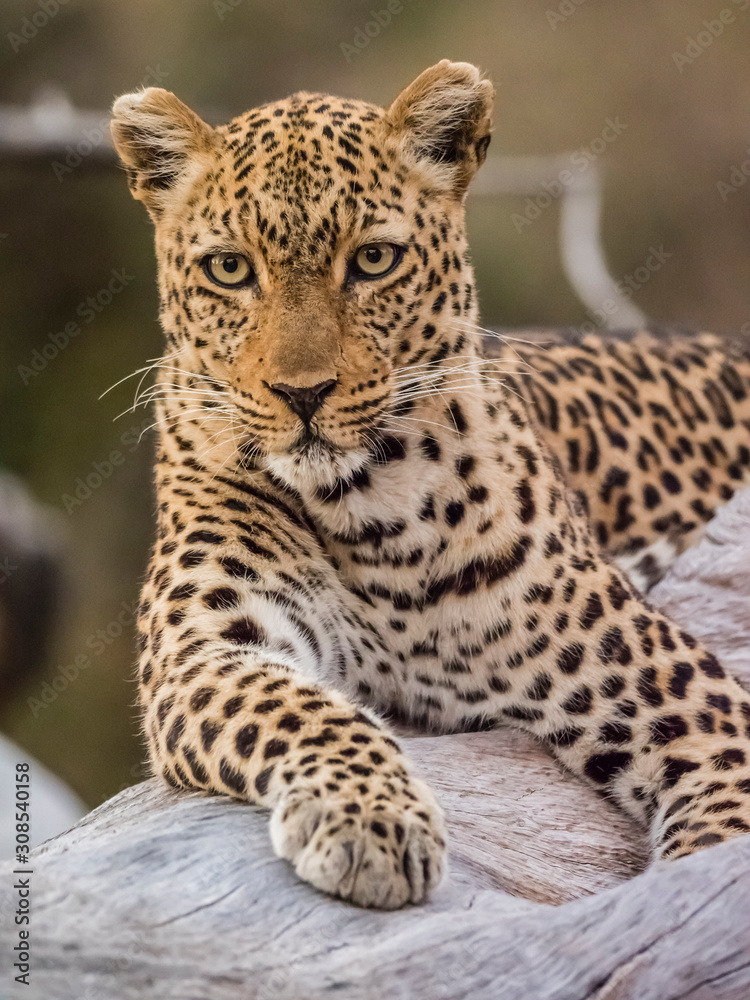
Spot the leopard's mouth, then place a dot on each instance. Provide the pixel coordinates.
(250, 450)
(314, 463)
(310, 444)
(311, 462)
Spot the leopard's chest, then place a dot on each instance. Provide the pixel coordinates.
(445, 548)
(446, 648)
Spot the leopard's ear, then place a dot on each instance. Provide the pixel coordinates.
(444, 117)
(156, 135)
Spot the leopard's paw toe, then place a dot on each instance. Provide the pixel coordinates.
(374, 852)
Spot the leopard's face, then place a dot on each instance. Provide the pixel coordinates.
(308, 305)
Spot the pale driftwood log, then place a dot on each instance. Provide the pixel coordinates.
(708, 588)
(159, 895)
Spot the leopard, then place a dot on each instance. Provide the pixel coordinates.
(370, 509)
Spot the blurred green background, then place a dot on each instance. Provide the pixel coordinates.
(562, 68)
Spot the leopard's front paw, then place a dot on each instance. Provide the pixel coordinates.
(380, 849)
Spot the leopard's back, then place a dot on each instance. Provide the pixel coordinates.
(652, 429)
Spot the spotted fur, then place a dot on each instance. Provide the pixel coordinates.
(359, 512)
(651, 427)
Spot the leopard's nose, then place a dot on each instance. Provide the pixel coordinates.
(304, 400)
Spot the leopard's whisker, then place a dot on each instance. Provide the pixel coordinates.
(173, 419)
(151, 364)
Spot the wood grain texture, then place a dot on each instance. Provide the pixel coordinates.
(167, 895)
(708, 588)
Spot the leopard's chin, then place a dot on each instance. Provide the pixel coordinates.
(315, 464)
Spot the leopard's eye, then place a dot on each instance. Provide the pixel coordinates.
(374, 260)
(231, 270)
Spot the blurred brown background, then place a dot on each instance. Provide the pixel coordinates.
(677, 87)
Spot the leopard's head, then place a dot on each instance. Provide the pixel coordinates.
(312, 260)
